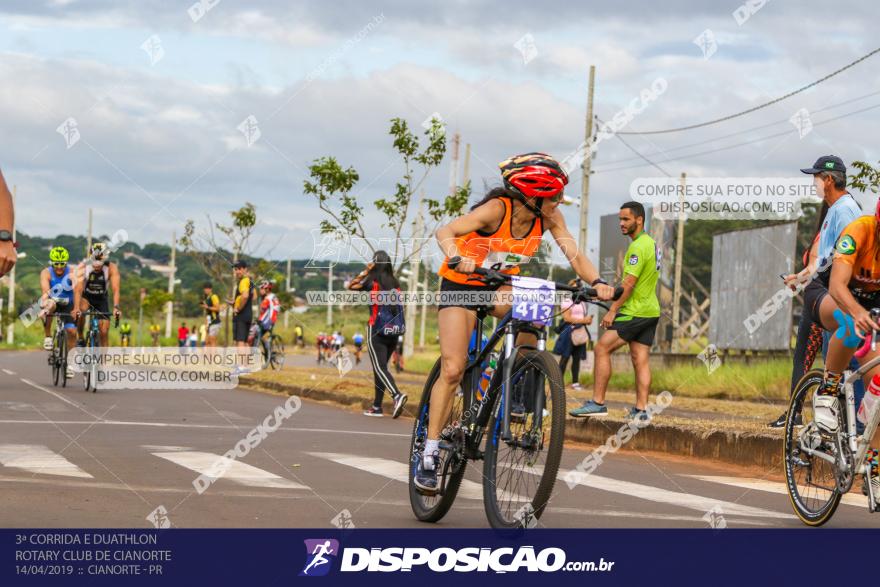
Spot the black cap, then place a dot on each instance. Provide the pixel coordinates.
(239, 265)
(826, 163)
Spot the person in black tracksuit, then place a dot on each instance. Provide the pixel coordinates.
(379, 277)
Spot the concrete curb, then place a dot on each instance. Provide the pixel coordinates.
(738, 448)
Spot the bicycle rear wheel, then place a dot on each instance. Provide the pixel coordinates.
(432, 508)
(811, 481)
(519, 474)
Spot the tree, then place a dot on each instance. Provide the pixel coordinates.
(331, 185)
(207, 251)
(867, 179)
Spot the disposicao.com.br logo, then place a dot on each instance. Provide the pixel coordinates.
(445, 559)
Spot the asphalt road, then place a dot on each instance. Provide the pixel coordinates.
(69, 458)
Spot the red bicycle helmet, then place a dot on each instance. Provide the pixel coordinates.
(534, 175)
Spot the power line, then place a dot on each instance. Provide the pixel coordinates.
(633, 149)
(734, 146)
(756, 108)
(741, 132)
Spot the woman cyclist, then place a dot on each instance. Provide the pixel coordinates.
(854, 288)
(501, 231)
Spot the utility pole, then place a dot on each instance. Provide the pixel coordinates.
(329, 295)
(679, 253)
(588, 159)
(453, 168)
(424, 309)
(10, 332)
(287, 289)
(89, 236)
(413, 286)
(141, 317)
(169, 307)
(466, 176)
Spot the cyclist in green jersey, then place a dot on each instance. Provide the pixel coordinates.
(632, 319)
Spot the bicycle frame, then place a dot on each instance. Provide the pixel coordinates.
(508, 329)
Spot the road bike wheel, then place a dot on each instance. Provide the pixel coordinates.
(90, 371)
(519, 474)
(811, 481)
(55, 360)
(62, 358)
(276, 346)
(432, 508)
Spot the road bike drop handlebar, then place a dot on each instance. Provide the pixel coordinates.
(870, 341)
(496, 278)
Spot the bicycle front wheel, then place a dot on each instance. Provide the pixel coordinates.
(811, 480)
(276, 352)
(55, 360)
(519, 473)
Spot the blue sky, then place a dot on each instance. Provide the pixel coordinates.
(160, 144)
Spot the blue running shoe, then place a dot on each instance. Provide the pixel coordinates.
(590, 408)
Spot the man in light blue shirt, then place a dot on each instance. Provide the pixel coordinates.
(842, 209)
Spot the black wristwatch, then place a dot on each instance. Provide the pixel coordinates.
(597, 281)
(5, 236)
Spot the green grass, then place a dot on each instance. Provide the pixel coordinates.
(765, 380)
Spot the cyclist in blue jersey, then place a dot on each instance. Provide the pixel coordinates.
(59, 296)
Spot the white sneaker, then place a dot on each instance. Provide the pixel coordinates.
(70, 373)
(47, 343)
(576, 386)
(825, 410)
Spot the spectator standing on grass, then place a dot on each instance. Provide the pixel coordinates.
(574, 336)
(182, 334)
(632, 319)
(385, 324)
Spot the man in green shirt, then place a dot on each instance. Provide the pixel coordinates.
(632, 319)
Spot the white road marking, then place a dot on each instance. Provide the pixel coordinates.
(196, 426)
(395, 470)
(59, 396)
(205, 463)
(658, 495)
(772, 487)
(8, 372)
(37, 458)
(164, 447)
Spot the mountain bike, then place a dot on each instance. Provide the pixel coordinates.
(820, 468)
(58, 354)
(521, 449)
(93, 341)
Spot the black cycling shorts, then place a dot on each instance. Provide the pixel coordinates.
(814, 293)
(99, 304)
(454, 295)
(240, 330)
(640, 330)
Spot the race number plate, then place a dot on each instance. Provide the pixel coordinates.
(500, 261)
(533, 299)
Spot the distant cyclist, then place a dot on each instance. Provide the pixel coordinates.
(96, 276)
(358, 340)
(125, 334)
(59, 297)
(298, 335)
(269, 308)
(503, 230)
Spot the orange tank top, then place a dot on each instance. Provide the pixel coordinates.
(500, 250)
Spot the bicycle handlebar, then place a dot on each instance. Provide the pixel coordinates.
(870, 341)
(581, 294)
